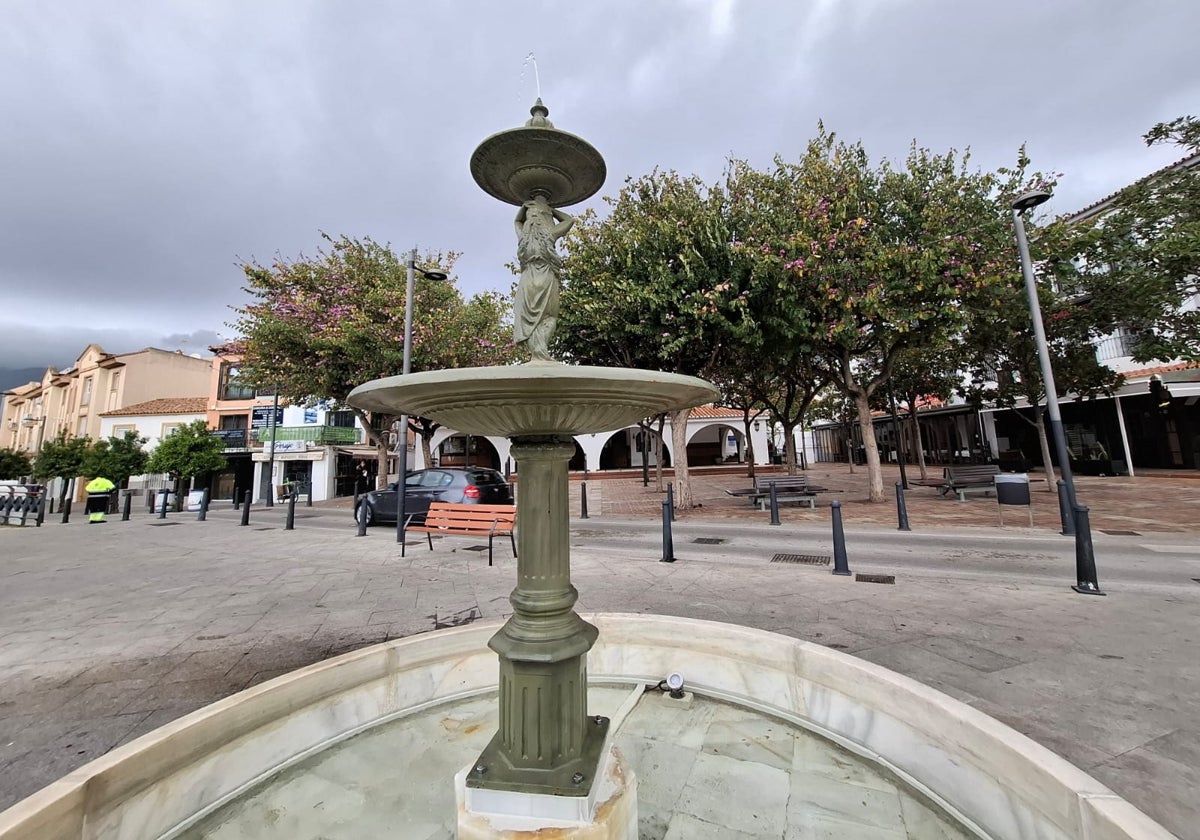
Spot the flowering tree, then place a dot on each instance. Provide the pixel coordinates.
(318, 327)
(855, 264)
(646, 287)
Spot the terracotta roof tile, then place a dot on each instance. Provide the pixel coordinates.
(713, 412)
(165, 405)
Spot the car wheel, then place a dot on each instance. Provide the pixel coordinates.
(367, 510)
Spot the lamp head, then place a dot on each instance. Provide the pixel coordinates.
(1030, 200)
(433, 275)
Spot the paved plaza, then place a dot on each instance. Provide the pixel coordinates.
(109, 631)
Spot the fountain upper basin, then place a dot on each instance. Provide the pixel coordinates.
(539, 398)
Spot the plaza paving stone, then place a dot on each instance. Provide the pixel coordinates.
(107, 632)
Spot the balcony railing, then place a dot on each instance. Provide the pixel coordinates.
(320, 435)
(234, 438)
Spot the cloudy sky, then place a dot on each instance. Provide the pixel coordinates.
(146, 147)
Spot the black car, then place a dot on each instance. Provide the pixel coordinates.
(462, 486)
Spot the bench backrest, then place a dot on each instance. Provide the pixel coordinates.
(782, 482)
(972, 472)
(471, 518)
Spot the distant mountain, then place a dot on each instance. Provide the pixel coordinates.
(12, 377)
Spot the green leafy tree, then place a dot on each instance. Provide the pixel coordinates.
(14, 464)
(116, 458)
(187, 452)
(647, 287)
(318, 327)
(1138, 259)
(932, 372)
(61, 457)
(864, 262)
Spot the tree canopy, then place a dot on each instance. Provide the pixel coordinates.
(116, 458)
(1138, 258)
(61, 457)
(14, 464)
(188, 451)
(318, 327)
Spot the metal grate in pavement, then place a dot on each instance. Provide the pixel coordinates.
(807, 559)
(863, 578)
(708, 540)
(163, 524)
(264, 529)
(474, 548)
(1120, 533)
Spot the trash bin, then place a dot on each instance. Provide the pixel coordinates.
(1013, 489)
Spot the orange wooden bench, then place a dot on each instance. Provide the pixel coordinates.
(466, 520)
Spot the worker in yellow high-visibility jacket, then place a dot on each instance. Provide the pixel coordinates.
(99, 491)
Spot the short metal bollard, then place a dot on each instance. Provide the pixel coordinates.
(1064, 509)
(162, 511)
(774, 505)
(289, 524)
(671, 498)
(1085, 558)
(668, 542)
(583, 513)
(202, 514)
(66, 510)
(840, 565)
(246, 508)
(360, 517)
(127, 507)
(237, 499)
(901, 510)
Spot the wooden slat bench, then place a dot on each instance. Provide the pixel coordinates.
(964, 479)
(788, 488)
(466, 520)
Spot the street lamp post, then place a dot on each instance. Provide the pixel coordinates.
(1074, 518)
(402, 436)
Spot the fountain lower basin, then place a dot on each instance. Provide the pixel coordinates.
(986, 777)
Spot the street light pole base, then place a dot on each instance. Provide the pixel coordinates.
(1084, 589)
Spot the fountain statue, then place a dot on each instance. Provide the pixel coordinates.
(549, 758)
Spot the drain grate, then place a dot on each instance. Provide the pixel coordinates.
(1120, 533)
(264, 529)
(474, 548)
(163, 524)
(807, 559)
(708, 541)
(862, 578)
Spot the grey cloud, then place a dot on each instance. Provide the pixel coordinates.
(150, 146)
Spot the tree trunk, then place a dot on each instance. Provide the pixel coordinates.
(658, 453)
(867, 427)
(683, 485)
(426, 449)
(850, 450)
(749, 446)
(917, 444)
(789, 448)
(1045, 444)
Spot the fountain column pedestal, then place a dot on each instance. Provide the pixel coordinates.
(547, 763)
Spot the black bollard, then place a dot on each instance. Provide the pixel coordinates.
(290, 523)
(774, 505)
(668, 543)
(671, 498)
(360, 515)
(1064, 509)
(202, 514)
(1085, 558)
(41, 514)
(237, 499)
(583, 500)
(840, 565)
(901, 510)
(51, 511)
(127, 507)
(308, 496)
(162, 511)
(246, 508)
(66, 510)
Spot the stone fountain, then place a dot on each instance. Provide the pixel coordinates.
(548, 762)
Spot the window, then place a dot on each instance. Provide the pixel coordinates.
(167, 428)
(230, 387)
(114, 391)
(81, 428)
(119, 431)
(86, 399)
(1121, 343)
(234, 421)
(342, 419)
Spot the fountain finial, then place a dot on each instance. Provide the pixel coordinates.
(538, 114)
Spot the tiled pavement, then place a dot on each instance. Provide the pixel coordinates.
(106, 632)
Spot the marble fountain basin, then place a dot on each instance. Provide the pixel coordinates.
(824, 717)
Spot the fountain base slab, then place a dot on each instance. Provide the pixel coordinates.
(607, 812)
